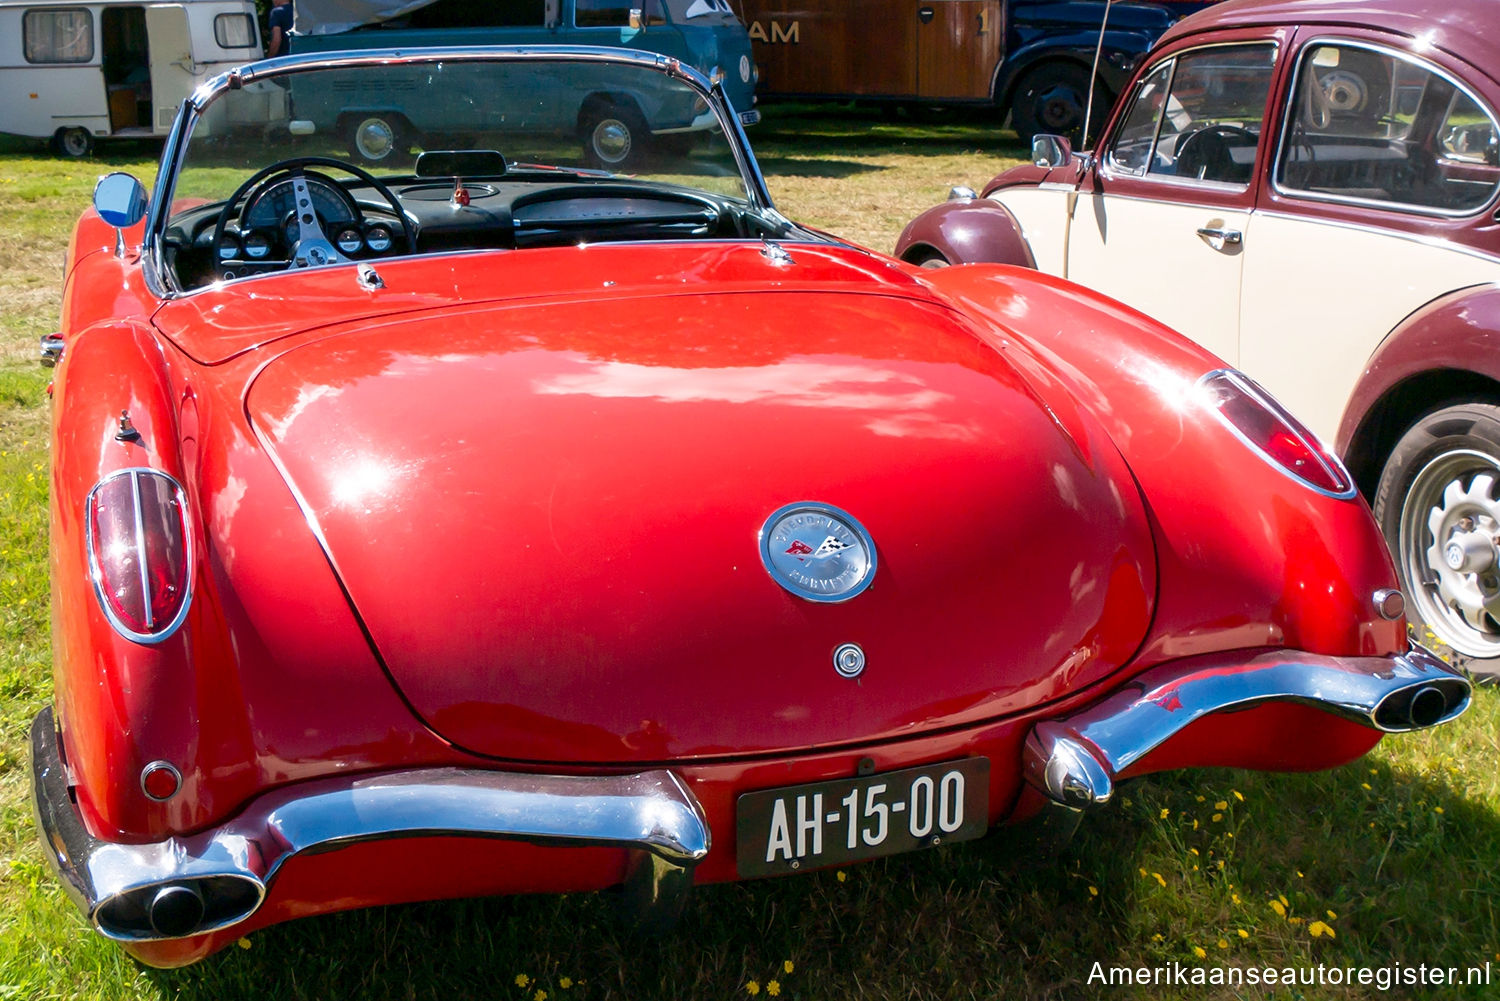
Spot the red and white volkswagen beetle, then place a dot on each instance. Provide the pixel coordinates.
(1309, 189)
(493, 523)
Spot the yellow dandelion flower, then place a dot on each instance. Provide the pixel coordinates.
(1200, 952)
(1374, 771)
(1228, 834)
(243, 943)
(773, 987)
(752, 988)
(1239, 796)
(539, 996)
(1244, 933)
(1279, 908)
(1365, 786)
(1159, 878)
(1200, 799)
(1436, 809)
(1193, 850)
(1157, 938)
(566, 983)
(1372, 824)
(842, 875)
(1331, 916)
(1221, 805)
(1235, 897)
(1165, 812)
(1223, 943)
(522, 980)
(1295, 921)
(1143, 873)
(787, 966)
(1217, 817)
(1093, 891)
(1195, 823)
(1282, 897)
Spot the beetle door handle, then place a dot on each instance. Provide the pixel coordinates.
(1219, 238)
(925, 14)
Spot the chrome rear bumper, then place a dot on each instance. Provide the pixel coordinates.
(200, 883)
(1075, 760)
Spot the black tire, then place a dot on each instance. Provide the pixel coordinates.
(1051, 99)
(1433, 486)
(615, 136)
(74, 143)
(928, 258)
(379, 138)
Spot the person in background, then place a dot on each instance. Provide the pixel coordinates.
(281, 26)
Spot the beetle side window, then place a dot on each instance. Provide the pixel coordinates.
(1374, 126)
(1209, 124)
(59, 35)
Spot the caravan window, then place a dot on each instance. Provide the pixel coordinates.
(58, 35)
(234, 31)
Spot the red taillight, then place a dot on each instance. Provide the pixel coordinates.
(139, 552)
(1257, 419)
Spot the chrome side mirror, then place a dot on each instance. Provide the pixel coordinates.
(1051, 151)
(120, 200)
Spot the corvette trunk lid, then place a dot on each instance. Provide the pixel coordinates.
(547, 517)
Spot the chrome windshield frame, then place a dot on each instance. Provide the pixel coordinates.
(158, 276)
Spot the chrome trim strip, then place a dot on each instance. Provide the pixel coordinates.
(1321, 452)
(1076, 760)
(140, 548)
(1303, 48)
(189, 540)
(651, 812)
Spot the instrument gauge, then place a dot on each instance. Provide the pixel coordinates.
(229, 247)
(257, 246)
(349, 240)
(378, 239)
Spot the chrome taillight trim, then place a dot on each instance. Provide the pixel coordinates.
(96, 575)
(1325, 456)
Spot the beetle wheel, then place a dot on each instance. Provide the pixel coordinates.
(1438, 504)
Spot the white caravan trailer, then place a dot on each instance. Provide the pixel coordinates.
(80, 71)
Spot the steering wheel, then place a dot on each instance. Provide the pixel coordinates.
(1204, 153)
(312, 247)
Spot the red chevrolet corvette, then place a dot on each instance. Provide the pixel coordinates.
(487, 522)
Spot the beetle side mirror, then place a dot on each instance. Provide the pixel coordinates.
(120, 200)
(1051, 151)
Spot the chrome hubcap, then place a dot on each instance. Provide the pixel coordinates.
(375, 139)
(1450, 525)
(612, 140)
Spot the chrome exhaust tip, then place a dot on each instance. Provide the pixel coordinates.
(1420, 706)
(183, 907)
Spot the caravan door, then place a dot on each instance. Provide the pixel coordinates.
(173, 72)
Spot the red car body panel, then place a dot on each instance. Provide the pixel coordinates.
(499, 516)
(381, 428)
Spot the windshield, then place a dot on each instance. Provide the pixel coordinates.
(336, 159)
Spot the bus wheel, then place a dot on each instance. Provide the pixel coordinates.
(1052, 98)
(75, 142)
(377, 139)
(615, 136)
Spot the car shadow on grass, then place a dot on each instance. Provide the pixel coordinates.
(1364, 867)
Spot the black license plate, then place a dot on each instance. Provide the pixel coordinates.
(841, 820)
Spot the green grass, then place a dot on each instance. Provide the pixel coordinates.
(1402, 847)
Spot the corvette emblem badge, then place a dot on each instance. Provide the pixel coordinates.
(817, 552)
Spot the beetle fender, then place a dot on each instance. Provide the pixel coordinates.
(1293, 567)
(963, 232)
(1447, 351)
